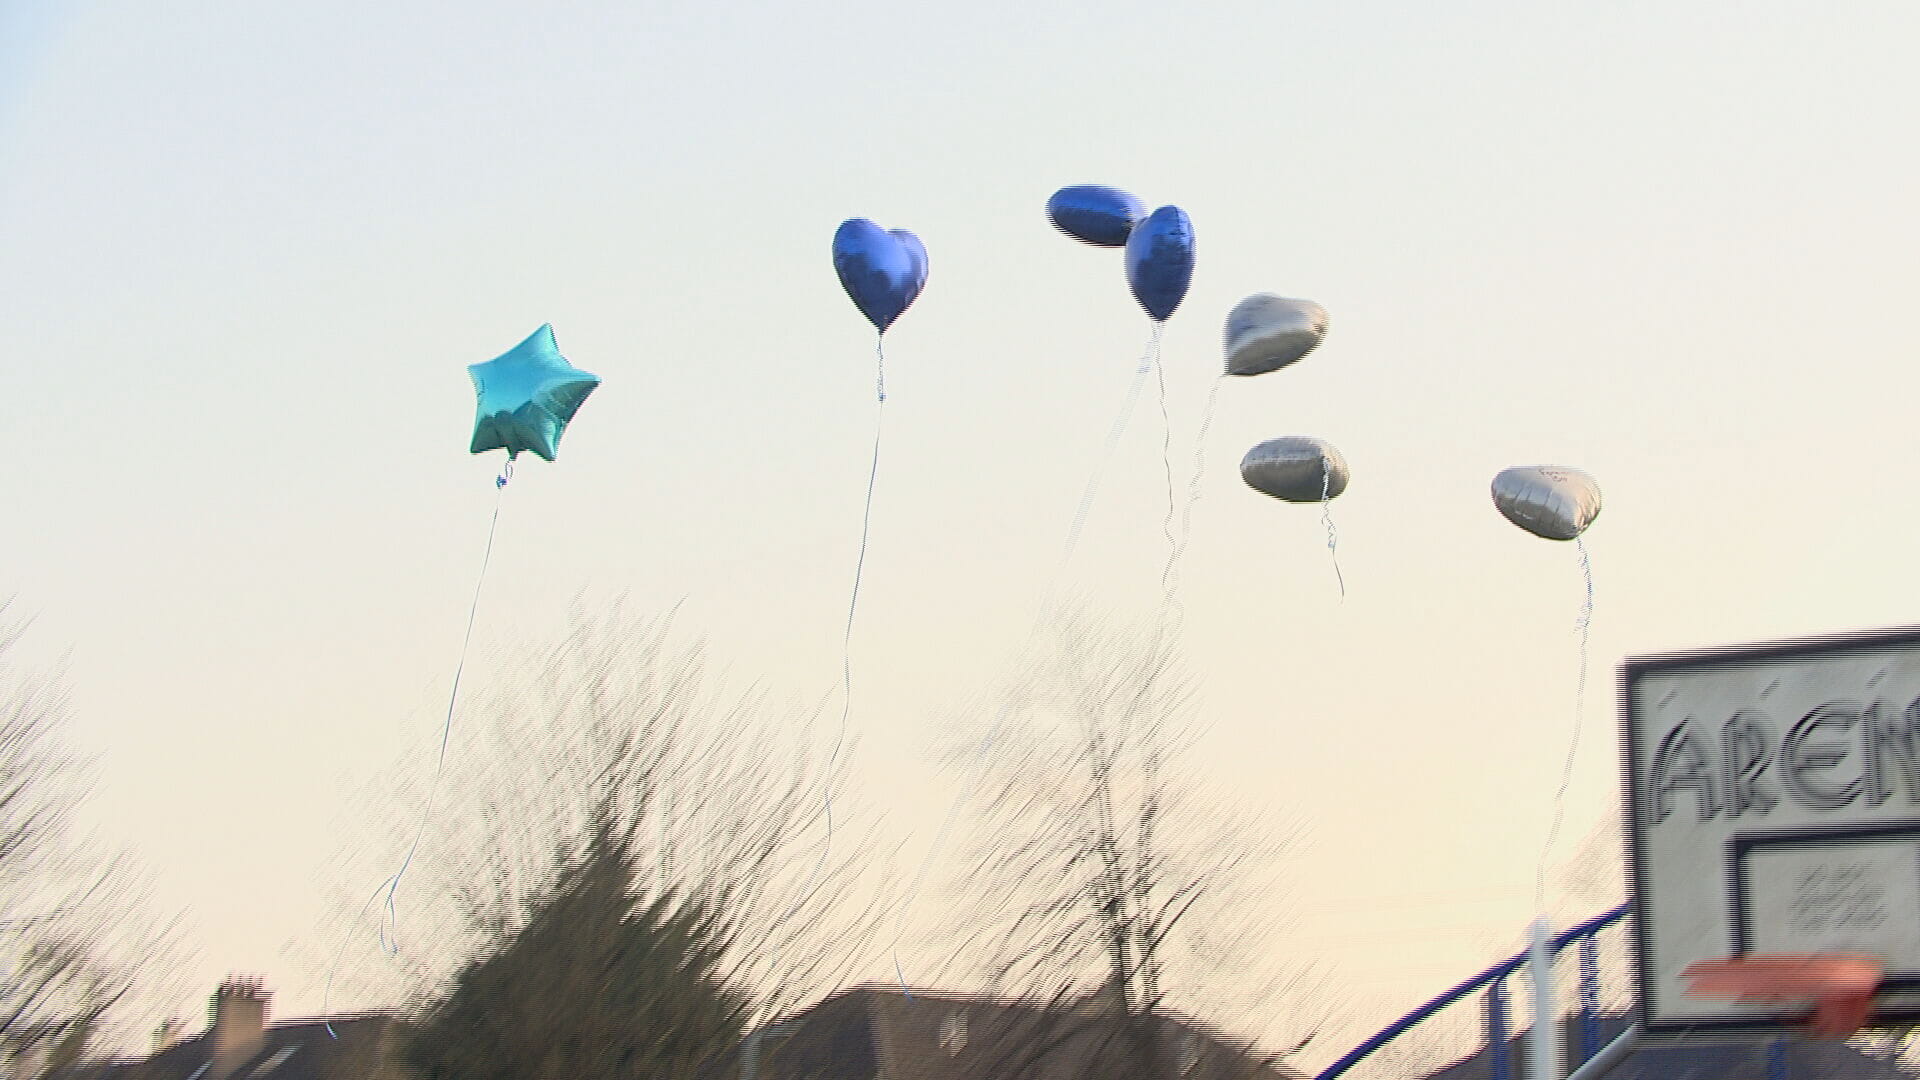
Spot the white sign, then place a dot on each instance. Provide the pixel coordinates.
(1774, 802)
(1827, 895)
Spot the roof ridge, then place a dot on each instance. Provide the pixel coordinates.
(331, 1018)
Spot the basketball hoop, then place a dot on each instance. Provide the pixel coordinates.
(1839, 987)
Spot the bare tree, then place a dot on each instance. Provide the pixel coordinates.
(74, 941)
(724, 799)
(1110, 887)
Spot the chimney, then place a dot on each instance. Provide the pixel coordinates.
(239, 1028)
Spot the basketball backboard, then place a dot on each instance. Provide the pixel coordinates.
(1773, 799)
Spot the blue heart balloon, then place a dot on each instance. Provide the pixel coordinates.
(1095, 214)
(1160, 261)
(882, 271)
(918, 253)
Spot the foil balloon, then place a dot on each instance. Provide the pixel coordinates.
(527, 396)
(1095, 214)
(1549, 501)
(1267, 332)
(882, 270)
(1160, 261)
(1296, 468)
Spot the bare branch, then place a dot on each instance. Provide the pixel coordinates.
(1090, 870)
(723, 805)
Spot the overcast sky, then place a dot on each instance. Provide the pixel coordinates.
(248, 250)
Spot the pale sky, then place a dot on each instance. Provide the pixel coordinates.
(248, 250)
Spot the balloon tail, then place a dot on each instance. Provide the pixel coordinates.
(389, 938)
(1583, 624)
(1168, 579)
(1151, 355)
(846, 648)
(939, 842)
(1114, 433)
(1326, 518)
(880, 367)
(853, 607)
(1199, 462)
(1169, 574)
(326, 998)
(1149, 362)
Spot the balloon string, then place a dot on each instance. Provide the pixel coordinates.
(389, 939)
(327, 997)
(853, 603)
(1583, 625)
(846, 645)
(939, 841)
(1326, 518)
(1114, 433)
(1193, 488)
(1199, 462)
(446, 728)
(1170, 574)
(1149, 362)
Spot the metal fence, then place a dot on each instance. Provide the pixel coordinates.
(1473, 1030)
(1592, 975)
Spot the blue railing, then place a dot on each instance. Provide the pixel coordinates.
(1494, 981)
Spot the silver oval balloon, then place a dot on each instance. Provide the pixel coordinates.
(1295, 468)
(1549, 501)
(1266, 332)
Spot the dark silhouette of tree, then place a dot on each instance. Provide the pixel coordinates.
(717, 804)
(598, 983)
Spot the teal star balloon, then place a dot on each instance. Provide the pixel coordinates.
(527, 396)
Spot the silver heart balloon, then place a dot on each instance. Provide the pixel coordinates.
(1295, 468)
(1266, 332)
(1549, 501)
